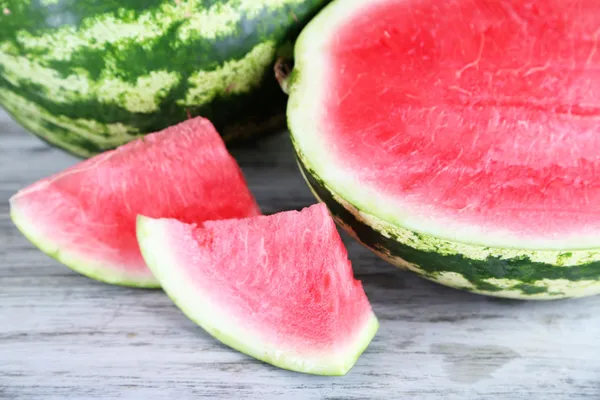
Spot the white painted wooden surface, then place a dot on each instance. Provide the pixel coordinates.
(63, 336)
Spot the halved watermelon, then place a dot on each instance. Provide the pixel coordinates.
(459, 139)
(279, 288)
(85, 217)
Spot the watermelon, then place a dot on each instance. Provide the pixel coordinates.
(458, 139)
(85, 216)
(279, 288)
(90, 76)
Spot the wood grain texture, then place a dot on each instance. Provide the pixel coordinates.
(63, 336)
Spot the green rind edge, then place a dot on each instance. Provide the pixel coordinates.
(479, 273)
(160, 271)
(77, 263)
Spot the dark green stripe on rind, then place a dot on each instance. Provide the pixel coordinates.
(235, 114)
(60, 137)
(477, 272)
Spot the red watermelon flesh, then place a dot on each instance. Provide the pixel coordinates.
(85, 216)
(473, 113)
(279, 288)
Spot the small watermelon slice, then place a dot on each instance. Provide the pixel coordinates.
(85, 217)
(279, 288)
(459, 139)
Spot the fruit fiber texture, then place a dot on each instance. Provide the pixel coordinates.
(90, 76)
(85, 216)
(279, 288)
(459, 139)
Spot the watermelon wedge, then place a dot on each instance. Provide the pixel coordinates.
(279, 288)
(85, 217)
(459, 139)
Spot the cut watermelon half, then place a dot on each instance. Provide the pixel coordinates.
(279, 288)
(459, 139)
(85, 217)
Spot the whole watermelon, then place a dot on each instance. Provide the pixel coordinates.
(88, 76)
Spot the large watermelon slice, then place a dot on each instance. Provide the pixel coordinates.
(89, 76)
(459, 139)
(279, 288)
(85, 217)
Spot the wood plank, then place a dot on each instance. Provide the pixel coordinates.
(63, 336)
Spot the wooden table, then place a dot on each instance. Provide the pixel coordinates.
(63, 336)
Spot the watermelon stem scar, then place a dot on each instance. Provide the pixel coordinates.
(283, 69)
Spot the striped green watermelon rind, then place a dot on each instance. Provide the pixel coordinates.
(498, 272)
(89, 77)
